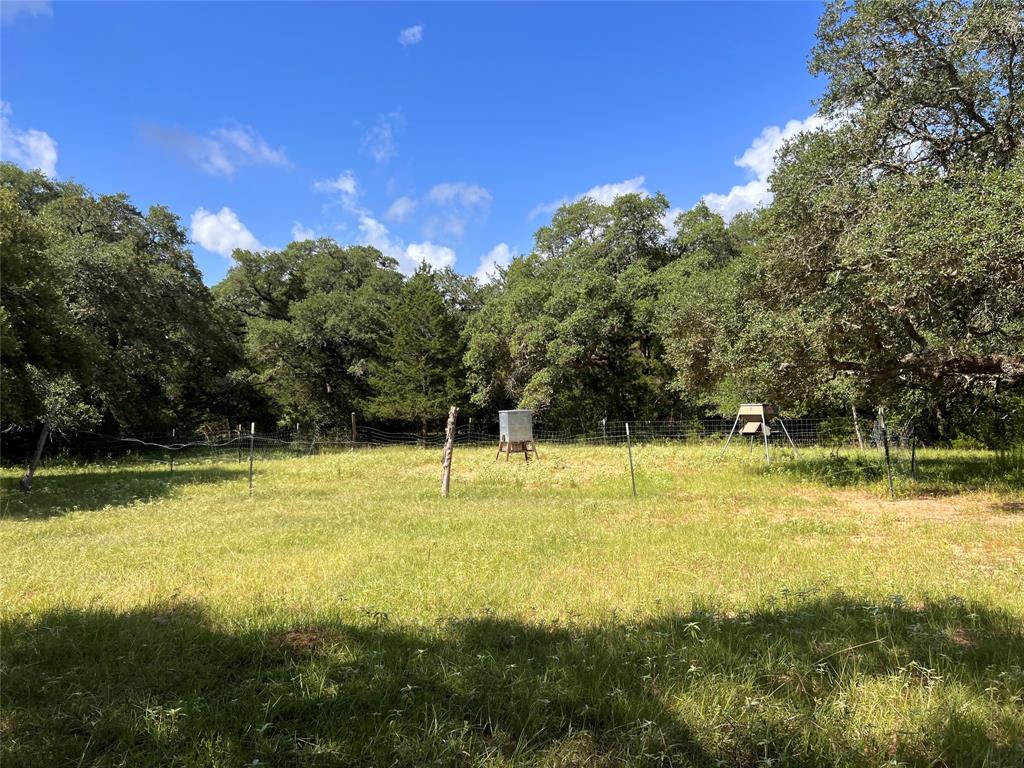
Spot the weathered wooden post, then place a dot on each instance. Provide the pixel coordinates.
(629, 448)
(252, 444)
(353, 430)
(239, 432)
(449, 446)
(856, 427)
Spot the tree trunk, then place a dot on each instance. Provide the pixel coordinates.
(26, 480)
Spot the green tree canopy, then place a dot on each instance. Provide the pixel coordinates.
(314, 318)
(571, 330)
(420, 375)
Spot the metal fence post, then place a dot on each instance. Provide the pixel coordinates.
(629, 448)
(885, 445)
(252, 444)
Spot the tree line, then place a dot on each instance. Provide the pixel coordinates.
(887, 270)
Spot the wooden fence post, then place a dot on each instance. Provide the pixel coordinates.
(449, 447)
(353, 430)
(856, 427)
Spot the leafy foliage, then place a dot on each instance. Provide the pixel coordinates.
(572, 330)
(105, 315)
(888, 269)
(420, 374)
(314, 318)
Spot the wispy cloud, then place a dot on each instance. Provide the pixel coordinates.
(379, 141)
(455, 204)
(460, 192)
(400, 209)
(222, 232)
(411, 35)
(603, 194)
(759, 160)
(220, 152)
(32, 149)
(345, 187)
(301, 232)
(10, 10)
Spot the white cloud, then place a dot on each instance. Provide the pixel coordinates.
(437, 256)
(669, 221)
(603, 194)
(31, 149)
(759, 160)
(411, 35)
(460, 192)
(400, 209)
(222, 232)
(409, 256)
(457, 204)
(345, 187)
(301, 232)
(499, 256)
(12, 9)
(379, 141)
(220, 152)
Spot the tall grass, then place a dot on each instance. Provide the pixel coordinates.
(347, 615)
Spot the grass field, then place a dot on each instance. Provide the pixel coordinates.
(346, 615)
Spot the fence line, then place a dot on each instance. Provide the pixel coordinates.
(869, 462)
(234, 444)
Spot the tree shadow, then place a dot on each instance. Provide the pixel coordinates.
(168, 685)
(97, 487)
(935, 474)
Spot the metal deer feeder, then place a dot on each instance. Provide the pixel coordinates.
(755, 419)
(515, 429)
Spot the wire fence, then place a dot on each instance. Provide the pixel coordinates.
(854, 451)
(238, 444)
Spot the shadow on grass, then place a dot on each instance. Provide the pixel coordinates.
(937, 473)
(781, 686)
(96, 487)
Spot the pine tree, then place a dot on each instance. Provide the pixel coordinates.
(421, 374)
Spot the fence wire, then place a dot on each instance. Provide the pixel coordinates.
(235, 444)
(856, 451)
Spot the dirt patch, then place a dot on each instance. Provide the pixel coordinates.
(305, 640)
(961, 638)
(942, 509)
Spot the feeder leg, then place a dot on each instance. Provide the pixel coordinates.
(731, 433)
(501, 444)
(764, 431)
(786, 432)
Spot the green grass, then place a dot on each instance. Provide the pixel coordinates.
(347, 615)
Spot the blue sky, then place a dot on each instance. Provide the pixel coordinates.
(445, 132)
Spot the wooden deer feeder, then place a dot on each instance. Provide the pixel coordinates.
(755, 419)
(515, 429)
